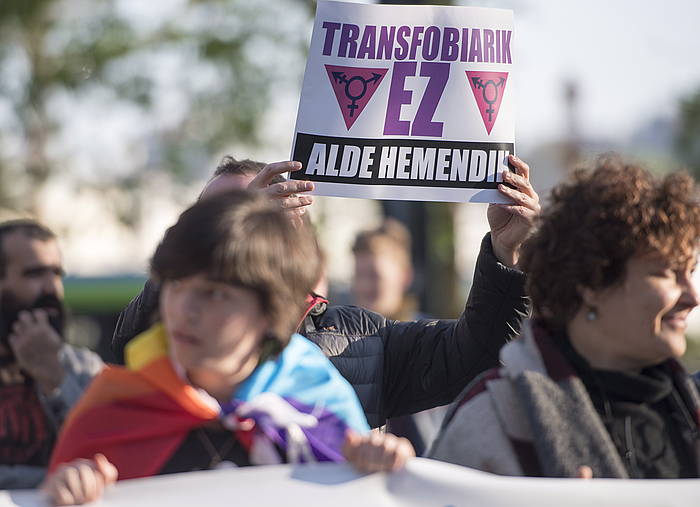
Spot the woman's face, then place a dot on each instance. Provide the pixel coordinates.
(642, 321)
(211, 325)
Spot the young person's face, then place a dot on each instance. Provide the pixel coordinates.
(212, 325)
(380, 282)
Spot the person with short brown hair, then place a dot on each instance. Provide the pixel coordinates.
(593, 386)
(222, 378)
(400, 367)
(384, 271)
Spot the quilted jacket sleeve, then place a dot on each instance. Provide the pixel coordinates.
(428, 363)
(136, 318)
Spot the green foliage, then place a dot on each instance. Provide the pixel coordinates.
(224, 59)
(687, 140)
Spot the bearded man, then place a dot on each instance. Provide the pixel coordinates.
(41, 376)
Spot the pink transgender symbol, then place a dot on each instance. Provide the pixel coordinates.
(488, 88)
(353, 87)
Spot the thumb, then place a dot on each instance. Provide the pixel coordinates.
(107, 469)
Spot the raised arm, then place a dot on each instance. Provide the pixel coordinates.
(428, 363)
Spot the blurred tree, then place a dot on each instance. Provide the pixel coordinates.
(687, 141)
(198, 72)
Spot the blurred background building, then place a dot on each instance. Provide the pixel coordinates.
(113, 113)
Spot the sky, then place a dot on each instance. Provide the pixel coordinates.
(632, 62)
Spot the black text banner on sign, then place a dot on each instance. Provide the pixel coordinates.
(407, 102)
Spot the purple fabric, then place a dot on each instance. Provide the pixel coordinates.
(325, 439)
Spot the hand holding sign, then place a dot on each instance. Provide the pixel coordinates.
(512, 223)
(286, 192)
(407, 102)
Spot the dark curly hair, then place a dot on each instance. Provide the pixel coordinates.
(596, 222)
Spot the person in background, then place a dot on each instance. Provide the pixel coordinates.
(381, 282)
(399, 367)
(384, 271)
(41, 376)
(593, 387)
(221, 379)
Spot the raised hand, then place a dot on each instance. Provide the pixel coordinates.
(512, 223)
(36, 346)
(285, 192)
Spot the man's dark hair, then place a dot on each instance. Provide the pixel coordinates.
(29, 227)
(230, 165)
(241, 238)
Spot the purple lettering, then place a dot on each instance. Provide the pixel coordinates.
(368, 43)
(449, 45)
(465, 45)
(475, 46)
(498, 46)
(505, 43)
(386, 42)
(423, 124)
(415, 41)
(402, 52)
(431, 43)
(330, 29)
(348, 41)
(398, 96)
(488, 46)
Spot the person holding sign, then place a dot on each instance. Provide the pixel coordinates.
(592, 387)
(399, 368)
(222, 379)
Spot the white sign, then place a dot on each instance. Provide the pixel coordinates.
(407, 102)
(423, 483)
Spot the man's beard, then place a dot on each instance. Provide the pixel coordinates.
(10, 308)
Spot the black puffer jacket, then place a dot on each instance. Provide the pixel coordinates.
(398, 368)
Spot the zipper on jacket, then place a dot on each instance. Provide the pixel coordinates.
(630, 455)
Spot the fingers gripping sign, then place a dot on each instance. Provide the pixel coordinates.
(377, 452)
(512, 223)
(285, 192)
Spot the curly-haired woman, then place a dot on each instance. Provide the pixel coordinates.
(593, 386)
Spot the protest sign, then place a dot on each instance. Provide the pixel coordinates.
(407, 102)
(423, 483)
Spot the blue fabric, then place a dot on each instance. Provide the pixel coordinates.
(303, 373)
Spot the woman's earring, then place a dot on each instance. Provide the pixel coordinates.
(592, 314)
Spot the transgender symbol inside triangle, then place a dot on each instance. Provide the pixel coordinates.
(488, 88)
(353, 87)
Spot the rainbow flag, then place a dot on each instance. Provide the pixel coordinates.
(138, 415)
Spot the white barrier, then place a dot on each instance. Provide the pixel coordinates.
(422, 483)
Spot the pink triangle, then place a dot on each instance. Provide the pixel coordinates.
(353, 87)
(488, 88)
